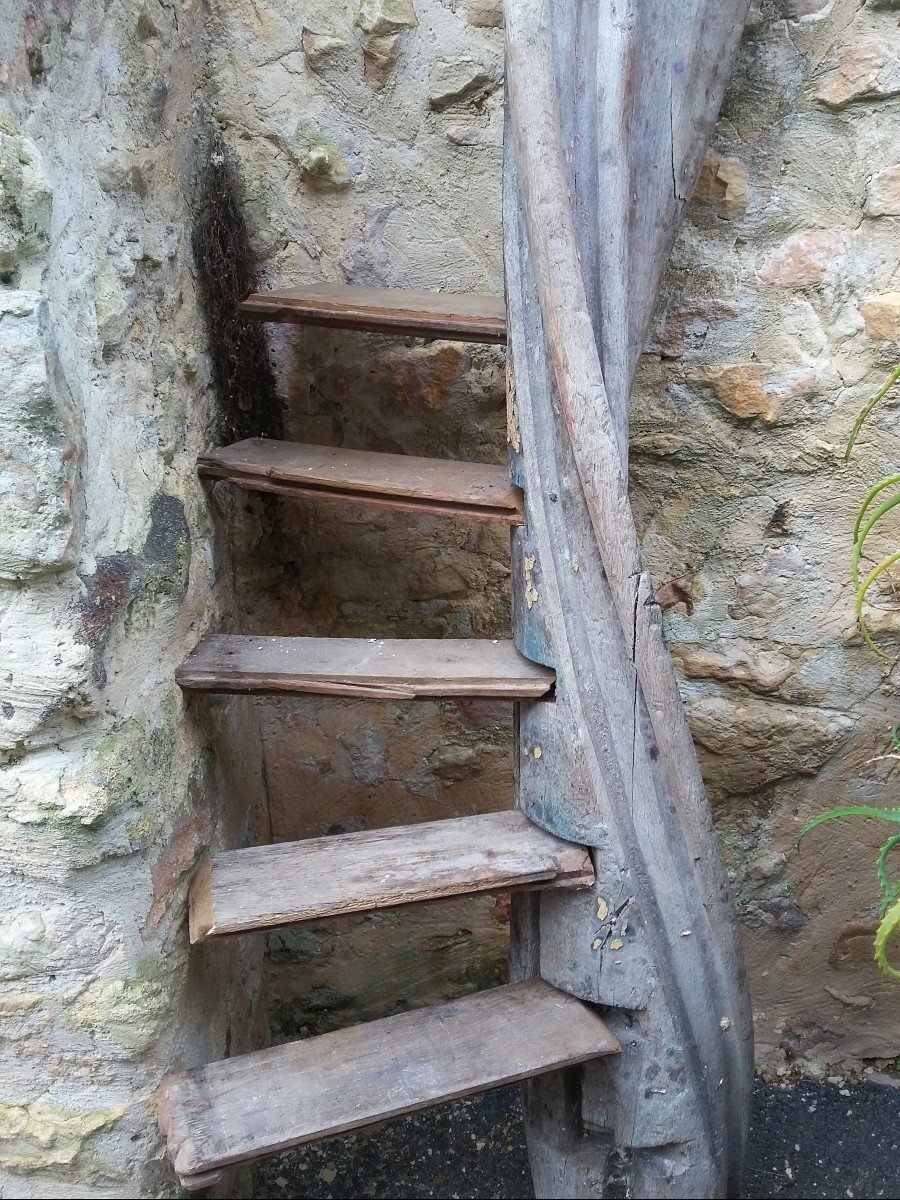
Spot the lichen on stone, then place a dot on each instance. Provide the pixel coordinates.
(124, 1016)
(39, 1135)
(320, 160)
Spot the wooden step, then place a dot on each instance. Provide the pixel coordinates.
(263, 886)
(397, 669)
(439, 486)
(259, 1103)
(461, 318)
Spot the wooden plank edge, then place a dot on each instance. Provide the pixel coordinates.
(264, 685)
(193, 680)
(200, 906)
(576, 878)
(195, 1183)
(501, 514)
(487, 331)
(191, 1182)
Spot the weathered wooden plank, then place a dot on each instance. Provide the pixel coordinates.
(603, 147)
(443, 487)
(392, 669)
(259, 1103)
(466, 318)
(264, 886)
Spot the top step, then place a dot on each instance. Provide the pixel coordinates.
(467, 318)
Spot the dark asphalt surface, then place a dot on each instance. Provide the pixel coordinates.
(807, 1141)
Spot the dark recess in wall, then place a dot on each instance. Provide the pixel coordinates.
(224, 262)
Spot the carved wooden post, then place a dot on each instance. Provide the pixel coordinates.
(611, 103)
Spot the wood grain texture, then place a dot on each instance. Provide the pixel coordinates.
(465, 318)
(441, 487)
(610, 108)
(259, 1103)
(397, 669)
(264, 886)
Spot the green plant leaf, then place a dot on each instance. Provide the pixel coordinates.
(881, 511)
(888, 481)
(890, 892)
(890, 922)
(850, 810)
(860, 600)
(861, 419)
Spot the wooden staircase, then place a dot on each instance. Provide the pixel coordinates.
(609, 111)
(242, 1108)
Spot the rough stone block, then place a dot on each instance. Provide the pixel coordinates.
(110, 306)
(751, 743)
(463, 80)
(486, 14)
(25, 200)
(321, 48)
(45, 671)
(760, 667)
(859, 72)
(40, 1135)
(804, 259)
(322, 163)
(124, 1016)
(753, 390)
(381, 17)
(883, 193)
(37, 458)
(723, 183)
(380, 55)
(882, 316)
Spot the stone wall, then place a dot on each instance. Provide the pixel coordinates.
(781, 317)
(361, 141)
(110, 786)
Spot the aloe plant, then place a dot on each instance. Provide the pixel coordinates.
(890, 900)
(868, 517)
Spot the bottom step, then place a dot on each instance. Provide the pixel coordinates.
(243, 1108)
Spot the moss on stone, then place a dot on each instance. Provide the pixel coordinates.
(320, 160)
(126, 1014)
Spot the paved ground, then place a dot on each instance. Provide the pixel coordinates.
(807, 1141)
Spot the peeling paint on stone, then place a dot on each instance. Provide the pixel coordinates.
(531, 595)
